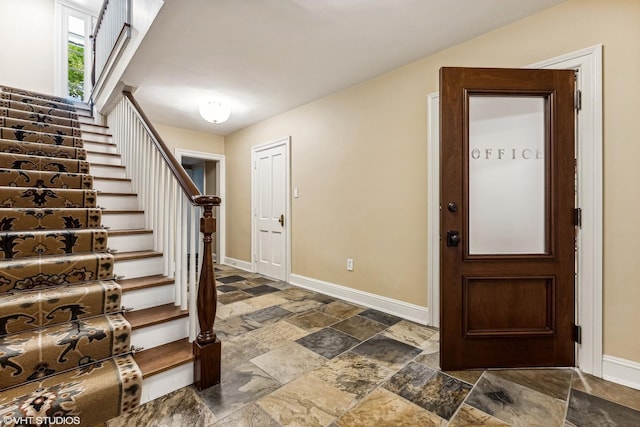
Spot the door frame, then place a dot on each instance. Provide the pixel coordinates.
(62, 10)
(589, 256)
(286, 142)
(221, 221)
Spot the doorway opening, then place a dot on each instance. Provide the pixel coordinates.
(74, 57)
(207, 170)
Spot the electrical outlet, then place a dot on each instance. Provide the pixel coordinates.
(350, 264)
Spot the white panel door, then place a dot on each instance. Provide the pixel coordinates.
(270, 210)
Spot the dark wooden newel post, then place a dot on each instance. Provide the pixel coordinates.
(207, 347)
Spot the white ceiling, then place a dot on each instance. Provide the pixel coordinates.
(264, 57)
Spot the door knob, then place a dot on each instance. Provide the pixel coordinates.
(281, 220)
(453, 238)
(452, 207)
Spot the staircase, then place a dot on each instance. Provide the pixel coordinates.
(65, 235)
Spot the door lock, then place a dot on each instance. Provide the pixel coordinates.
(281, 220)
(453, 238)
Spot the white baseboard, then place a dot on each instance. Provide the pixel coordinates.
(621, 371)
(242, 265)
(408, 311)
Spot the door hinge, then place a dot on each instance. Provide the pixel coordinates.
(578, 100)
(576, 333)
(577, 217)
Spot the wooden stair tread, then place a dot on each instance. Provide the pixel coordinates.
(96, 133)
(122, 211)
(111, 193)
(107, 165)
(144, 282)
(154, 315)
(100, 152)
(124, 256)
(96, 125)
(130, 232)
(109, 178)
(162, 358)
(110, 144)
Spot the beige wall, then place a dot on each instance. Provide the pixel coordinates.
(210, 176)
(187, 139)
(210, 182)
(31, 24)
(359, 159)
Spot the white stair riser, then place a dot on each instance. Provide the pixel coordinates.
(85, 119)
(110, 186)
(82, 111)
(104, 158)
(131, 242)
(163, 333)
(108, 172)
(87, 127)
(100, 148)
(142, 267)
(88, 137)
(133, 221)
(149, 297)
(166, 382)
(117, 202)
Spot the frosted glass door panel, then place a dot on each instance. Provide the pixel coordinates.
(507, 209)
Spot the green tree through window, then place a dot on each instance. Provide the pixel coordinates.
(76, 70)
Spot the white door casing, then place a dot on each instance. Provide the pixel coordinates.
(63, 9)
(270, 183)
(588, 63)
(220, 212)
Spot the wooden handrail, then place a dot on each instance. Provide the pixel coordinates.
(185, 181)
(99, 20)
(126, 28)
(207, 346)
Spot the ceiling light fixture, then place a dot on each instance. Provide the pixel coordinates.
(214, 112)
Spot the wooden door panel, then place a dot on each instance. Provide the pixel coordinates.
(506, 302)
(520, 306)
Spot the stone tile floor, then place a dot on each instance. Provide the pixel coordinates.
(292, 357)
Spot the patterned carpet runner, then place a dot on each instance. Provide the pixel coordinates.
(64, 343)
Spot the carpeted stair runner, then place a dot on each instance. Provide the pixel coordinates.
(46, 307)
(38, 117)
(40, 179)
(20, 244)
(38, 109)
(57, 138)
(40, 149)
(49, 219)
(43, 163)
(64, 343)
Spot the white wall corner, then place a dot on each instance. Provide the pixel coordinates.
(242, 265)
(412, 312)
(621, 371)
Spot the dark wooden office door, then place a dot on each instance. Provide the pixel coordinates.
(507, 217)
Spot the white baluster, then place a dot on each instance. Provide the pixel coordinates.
(183, 253)
(193, 287)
